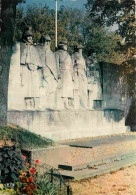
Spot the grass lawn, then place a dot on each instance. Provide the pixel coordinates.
(22, 138)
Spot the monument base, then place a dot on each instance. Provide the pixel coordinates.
(69, 124)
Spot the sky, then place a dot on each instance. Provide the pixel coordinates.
(51, 3)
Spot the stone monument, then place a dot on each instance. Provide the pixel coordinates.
(51, 94)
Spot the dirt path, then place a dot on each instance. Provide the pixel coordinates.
(122, 182)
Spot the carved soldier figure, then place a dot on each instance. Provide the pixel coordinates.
(64, 69)
(30, 63)
(80, 79)
(49, 73)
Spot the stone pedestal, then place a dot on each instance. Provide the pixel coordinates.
(70, 124)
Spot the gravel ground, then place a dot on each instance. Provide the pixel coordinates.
(122, 182)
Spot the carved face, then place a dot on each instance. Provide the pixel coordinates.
(80, 51)
(64, 47)
(29, 39)
(47, 44)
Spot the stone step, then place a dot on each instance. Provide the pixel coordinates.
(105, 160)
(106, 140)
(99, 169)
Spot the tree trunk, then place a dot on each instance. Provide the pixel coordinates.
(7, 16)
(5, 55)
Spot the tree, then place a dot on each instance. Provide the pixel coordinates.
(108, 13)
(104, 44)
(7, 20)
(42, 20)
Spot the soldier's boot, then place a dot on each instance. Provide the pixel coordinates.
(66, 105)
(71, 103)
(28, 103)
(36, 103)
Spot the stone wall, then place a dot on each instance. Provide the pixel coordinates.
(113, 88)
(69, 124)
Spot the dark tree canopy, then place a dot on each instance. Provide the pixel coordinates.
(42, 21)
(119, 14)
(7, 20)
(110, 12)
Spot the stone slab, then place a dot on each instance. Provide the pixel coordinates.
(100, 170)
(76, 158)
(50, 156)
(103, 141)
(96, 162)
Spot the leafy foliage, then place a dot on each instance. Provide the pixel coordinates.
(32, 180)
(10, 165)
(104, 44)
(42, 20)
(28, 178)
(119, 14)
(47, 187)
(26, 181)
(107, 13)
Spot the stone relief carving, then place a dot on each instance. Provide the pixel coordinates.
(30, 63)
(48, 77)
(94, 82)
(65, 70)
(47, 80)
(80, 78)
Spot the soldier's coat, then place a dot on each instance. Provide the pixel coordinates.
(79, 75)
(65, 69)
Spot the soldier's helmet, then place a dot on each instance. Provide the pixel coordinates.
(78, 46)
(45, 38)
(27, 32)
(63, 42)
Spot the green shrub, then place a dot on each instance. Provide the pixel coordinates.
(47, 187)
(10, 165)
